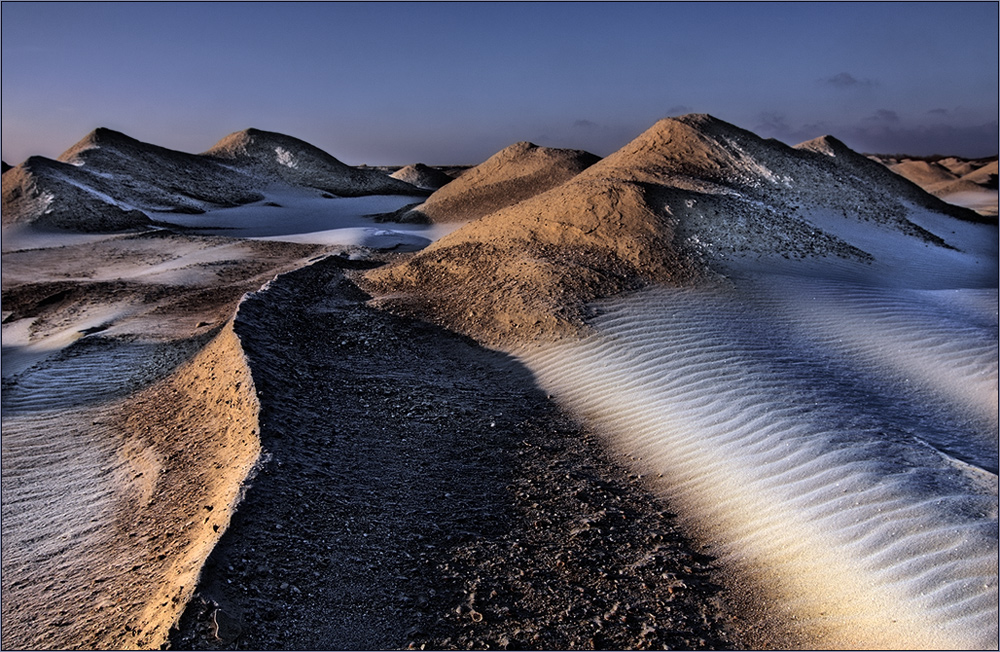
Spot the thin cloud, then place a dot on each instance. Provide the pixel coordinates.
(845, 80)
(679, 109)
(970, 141)
(884, 116)
(774, 124)
(942, 112)
(585, 124)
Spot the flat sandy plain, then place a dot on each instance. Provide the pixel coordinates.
(687, 396)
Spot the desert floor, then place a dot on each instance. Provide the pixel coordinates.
(407, 487)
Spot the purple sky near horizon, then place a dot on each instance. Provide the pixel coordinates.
(398, 83)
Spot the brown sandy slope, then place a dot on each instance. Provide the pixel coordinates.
(947, 176)
(129, 425)
(958, 166)
(106, 557)
(985, 176)
(923, 173)
(511, 175)
(678, 201)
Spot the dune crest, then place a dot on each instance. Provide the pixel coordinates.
(271, 155)
(513, 174)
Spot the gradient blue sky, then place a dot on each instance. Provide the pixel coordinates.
(397, 83)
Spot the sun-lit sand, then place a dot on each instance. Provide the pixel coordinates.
(796, 348)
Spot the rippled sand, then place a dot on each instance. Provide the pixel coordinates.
(837, 443)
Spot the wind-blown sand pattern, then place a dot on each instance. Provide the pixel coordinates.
(871, 512)
(152, 479)
(129, 426)
(792, 348)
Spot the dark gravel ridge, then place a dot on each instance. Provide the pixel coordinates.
(418, 491)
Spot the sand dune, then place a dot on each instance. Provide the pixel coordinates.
(923, 173)
(511, 175)
(275, 156)
(971, 184)
(689, 198)
(850, 472)
(985, 175)
(111, 182)
(153, 475)
(422, 176)
(795, 348)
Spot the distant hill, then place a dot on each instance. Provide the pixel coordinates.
(511, 175)
(689, 199)
(270, 155)
(108, 181)
(422, 176)
(965, 182)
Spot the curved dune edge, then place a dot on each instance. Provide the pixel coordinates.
(162, 472)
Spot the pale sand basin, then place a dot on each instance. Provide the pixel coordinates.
(981, 201)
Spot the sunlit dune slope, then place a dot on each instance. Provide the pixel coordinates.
(129, 427)
(690, 198)
(511, 175)
(111, 506)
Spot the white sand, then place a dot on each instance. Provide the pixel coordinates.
(299, 212)
(863, 499)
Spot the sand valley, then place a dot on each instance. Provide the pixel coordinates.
(708, 392)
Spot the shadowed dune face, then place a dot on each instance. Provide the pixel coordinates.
(275, 156)
(110, 182)
(31, 189)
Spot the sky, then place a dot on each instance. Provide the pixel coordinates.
(453, 83)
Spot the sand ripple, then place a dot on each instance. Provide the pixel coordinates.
(867, 502)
